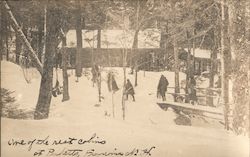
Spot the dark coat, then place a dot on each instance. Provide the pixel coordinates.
(112, 85)
(95, 73)
(192, 94)
(162, 86)
(192, 90)
(129, 88)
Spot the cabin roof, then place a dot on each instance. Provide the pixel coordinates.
(115, 38)
(202, 53)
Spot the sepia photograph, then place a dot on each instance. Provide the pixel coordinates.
(125, 78)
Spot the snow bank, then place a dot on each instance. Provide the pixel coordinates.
(13, 79)
(146, 125)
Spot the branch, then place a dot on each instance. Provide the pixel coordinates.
(19, 31)
(62, 34)
(202, 33)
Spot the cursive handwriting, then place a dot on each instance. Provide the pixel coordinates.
(73, 147)
(94, 139)
(51, 152)
(28, 143)
(65, 152)
(115, 152)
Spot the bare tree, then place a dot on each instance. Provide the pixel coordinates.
(19, 31)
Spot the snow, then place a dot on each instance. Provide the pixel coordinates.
(146, 125)
(12, 78)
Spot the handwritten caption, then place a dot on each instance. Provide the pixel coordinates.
(65, 147)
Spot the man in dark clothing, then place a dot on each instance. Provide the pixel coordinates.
(162, 87)
(95, 74)
(192, 91)
(129, 90)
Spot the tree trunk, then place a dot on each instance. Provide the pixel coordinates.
(164, 37)
(2, 32)
(124, 83)
(6, 30)
(241, 60)
(224, 62)
(136, 75)
(176, 68)
(44, 29)
(1, 47)
(64, 70)
(45, 93)
(212, 69)
(188, 70)
(19, 31)
(40, 37)
(135, 47)
(113, 105)
(18, 49)
(124, 92)
(99, 31)
(79, 40)
(7, 43)
(135, 41)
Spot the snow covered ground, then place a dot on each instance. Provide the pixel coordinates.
(146, 125)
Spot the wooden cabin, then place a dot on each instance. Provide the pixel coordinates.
(115, 45)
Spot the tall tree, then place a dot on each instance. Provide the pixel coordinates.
(176, 68)
(1, 29)
(135, 42)
(19, 31)
(78, 39)
(64, 68)
(239, 13)
(53, 29)
(18, 48)
(213, 67)
(188, 70)
(41, 35)
(99, 31)
(224, 62)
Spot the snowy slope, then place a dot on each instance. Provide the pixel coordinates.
(12, 78)
(146, 124)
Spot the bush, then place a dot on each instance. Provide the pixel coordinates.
(9, 108)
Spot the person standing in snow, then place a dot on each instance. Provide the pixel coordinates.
(95, 74)
(192, 90)
(129, 90)
(162, 87)
(112, 85)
